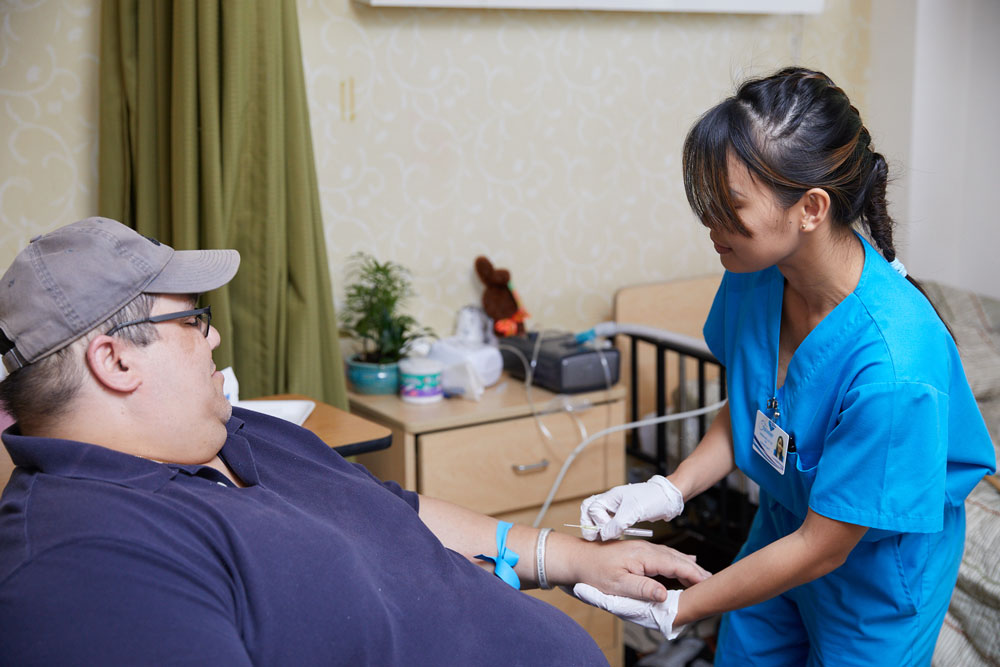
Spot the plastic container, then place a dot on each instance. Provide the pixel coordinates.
(420, 380)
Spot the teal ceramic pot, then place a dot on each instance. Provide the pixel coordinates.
(369, 378)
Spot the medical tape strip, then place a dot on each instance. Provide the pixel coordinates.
(543, 581)
(506, 559)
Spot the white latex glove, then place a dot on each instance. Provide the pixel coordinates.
(656, 615)
(655, 500)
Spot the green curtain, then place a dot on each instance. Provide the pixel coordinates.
(205, 143)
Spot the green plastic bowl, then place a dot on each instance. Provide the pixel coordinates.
(369, 378)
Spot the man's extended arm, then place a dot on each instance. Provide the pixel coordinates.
(621, 567)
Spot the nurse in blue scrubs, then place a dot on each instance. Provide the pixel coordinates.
(830, 347)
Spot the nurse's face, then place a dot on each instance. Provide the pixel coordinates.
(773, 235)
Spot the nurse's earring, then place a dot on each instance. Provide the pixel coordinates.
(803, 226)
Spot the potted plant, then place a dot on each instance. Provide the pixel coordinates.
(376, 292)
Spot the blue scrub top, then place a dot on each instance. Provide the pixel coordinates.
(886, 429)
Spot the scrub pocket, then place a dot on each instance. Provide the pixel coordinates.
(793, 488)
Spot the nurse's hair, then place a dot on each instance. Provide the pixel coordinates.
(794, 130)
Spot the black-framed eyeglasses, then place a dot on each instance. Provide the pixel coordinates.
(202, 316)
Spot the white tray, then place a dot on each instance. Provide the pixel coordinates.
(294, 411)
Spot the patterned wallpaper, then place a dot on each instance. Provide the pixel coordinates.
(48, 117)
(548, 141)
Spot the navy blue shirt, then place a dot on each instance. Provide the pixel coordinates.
(107, 558)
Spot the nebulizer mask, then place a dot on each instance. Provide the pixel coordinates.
(471, 363)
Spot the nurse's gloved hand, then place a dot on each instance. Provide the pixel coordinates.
(656, 615)
(615, 510)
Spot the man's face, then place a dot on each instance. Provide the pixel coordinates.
(182, 388)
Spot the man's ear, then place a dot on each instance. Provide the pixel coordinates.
(812, 209)
(110, 362)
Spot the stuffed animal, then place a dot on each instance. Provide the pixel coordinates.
(500, 300)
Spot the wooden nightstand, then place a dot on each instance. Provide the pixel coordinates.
(491, 456)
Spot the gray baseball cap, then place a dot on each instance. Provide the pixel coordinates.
(70, 280)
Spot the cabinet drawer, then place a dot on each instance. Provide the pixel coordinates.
(475, 466)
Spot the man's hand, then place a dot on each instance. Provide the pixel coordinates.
(622, 567)
(615, 510)
(655, 615)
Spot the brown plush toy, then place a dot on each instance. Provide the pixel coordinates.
(500, 300)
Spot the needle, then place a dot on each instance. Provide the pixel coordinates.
(635, 532)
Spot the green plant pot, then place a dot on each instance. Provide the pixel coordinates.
(369, 378)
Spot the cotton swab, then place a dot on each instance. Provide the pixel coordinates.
(635, 532)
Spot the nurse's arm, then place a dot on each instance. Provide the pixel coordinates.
(710, 461)
(818, 547)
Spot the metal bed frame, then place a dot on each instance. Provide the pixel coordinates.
(716, 523)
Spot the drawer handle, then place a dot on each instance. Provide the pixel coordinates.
(534, 467)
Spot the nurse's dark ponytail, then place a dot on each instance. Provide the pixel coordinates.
(794, 130)
(874, 212)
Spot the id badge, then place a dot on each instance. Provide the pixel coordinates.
(770, 442)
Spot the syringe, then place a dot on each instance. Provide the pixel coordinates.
(635, 532)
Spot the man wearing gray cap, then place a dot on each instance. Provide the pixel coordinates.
(147, 521)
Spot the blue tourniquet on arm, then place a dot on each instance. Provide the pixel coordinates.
(506, 559)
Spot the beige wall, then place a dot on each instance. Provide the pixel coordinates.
(547, 140)
(48, 117)
(955, 143)
(934, 87)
